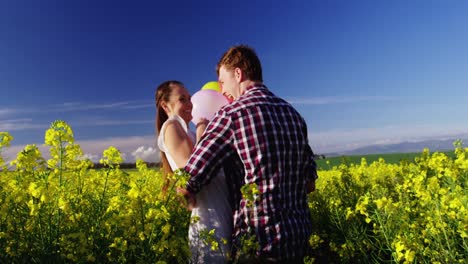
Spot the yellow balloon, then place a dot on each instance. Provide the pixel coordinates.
(211, 86)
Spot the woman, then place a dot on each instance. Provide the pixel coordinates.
(176, 141)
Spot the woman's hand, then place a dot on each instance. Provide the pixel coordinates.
(201, 126)
(189, 198)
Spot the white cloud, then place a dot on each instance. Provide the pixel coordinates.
(130, 148)
(126, 145)
(75, 107)
(6, 111)
(27, 124)
(124, 156)
(80, 106)
(93, 157)
(145, 153)
(19, 124)
(144, 147)
(139, 106)
(112, 122)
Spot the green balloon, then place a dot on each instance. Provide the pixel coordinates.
(211, 86)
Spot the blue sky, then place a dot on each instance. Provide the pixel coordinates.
(360, 72)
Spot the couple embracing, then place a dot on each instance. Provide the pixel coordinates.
(258, 142)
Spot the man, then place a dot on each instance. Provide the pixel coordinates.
(266, 141)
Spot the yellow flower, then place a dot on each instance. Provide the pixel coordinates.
(34, 190)
(111, 156)
(462, 232)
(361, 206)
(58, 133)
(349, 213)
(133, 193)
(409, 256)
(63, 204)
(399, 248)
(29, 159)
(5, 139)
(166, 229)
(315, 241)
(119, 243)
(33, 208)
(214, 245)
(44, 198)
(381, 202)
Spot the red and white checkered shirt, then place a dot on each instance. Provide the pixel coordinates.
(260, 138)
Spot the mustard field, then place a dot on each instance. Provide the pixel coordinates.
(61, 210)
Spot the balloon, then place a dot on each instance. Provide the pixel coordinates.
(212, 86)
(206, 103)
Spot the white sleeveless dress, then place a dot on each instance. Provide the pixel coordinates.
(212, 209)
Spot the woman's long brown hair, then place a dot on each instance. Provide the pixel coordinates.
(162, 95)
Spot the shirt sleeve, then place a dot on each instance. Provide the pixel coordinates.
(311, 165)
(210, 152)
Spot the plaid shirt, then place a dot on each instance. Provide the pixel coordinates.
(260, 138)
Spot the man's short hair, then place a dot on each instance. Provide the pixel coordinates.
(244, 58)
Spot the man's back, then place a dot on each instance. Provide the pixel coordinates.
(270, 138)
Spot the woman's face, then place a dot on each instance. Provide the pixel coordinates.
(179, 103)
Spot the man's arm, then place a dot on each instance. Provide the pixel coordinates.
(311, 170)
(310, 185)
(310, 164)
(210, 152)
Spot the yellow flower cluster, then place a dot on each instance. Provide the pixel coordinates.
(5, 139)
(61, 210)
(414, 211)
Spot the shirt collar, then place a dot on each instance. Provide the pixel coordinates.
(254, 86)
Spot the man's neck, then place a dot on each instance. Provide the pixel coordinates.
(245, 85)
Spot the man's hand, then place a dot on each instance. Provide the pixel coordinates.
(310, 185)
(189, 198)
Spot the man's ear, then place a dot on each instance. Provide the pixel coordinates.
(238, 74)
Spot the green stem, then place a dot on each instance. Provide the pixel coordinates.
(104, 190)
(41, 231)
(142, 215)
(154, 226)
(59, 213)
(60, 161)
(101, 202)
(443, 231)
(384, 232)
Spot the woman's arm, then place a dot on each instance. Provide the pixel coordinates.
(178, 143)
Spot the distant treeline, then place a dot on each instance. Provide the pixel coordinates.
(319, 156)
(158, 164)
(390, 158)
(129, 165)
